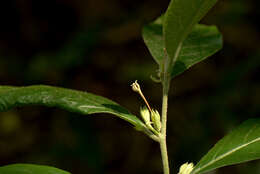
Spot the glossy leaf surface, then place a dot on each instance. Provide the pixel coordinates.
(201, 43)
(153, 38)
(30, 169)
(71, 100)
(241, 145)
(180, 18)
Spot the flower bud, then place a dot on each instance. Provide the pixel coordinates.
(156, 118)
(145, 114)
(186, 168)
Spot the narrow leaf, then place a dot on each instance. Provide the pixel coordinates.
(30, 169)
(71, 100)
(241, 145)
(201, 43)
(180, 18)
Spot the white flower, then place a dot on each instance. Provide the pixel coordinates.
(136, 87)
(186, 168)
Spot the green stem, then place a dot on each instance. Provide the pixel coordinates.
(164, 155)
(163, 145)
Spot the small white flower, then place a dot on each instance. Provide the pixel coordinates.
(186, 168)
(136, 87)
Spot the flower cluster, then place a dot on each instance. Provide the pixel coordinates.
(149, 115)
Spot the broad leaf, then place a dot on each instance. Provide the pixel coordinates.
(201, 43)
(30, 169)
(241, 145)
(153, 38)
(72, 100)
(180, 18)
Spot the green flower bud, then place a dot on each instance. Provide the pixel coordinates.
(145, 114)
(156, 118)
(186, 168)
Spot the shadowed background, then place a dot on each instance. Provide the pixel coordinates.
(96, 46)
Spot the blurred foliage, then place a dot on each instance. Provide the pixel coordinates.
(97, 46)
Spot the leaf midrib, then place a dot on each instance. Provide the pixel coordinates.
(226, 154)
(90, 99)
(177, 53)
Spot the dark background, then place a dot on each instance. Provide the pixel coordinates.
(96, 46)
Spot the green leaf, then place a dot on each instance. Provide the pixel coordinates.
(241, 145)
(153, 38)
(30, 169)
(180, 18)
(201, 43)
(71, 100)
